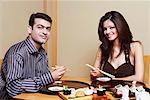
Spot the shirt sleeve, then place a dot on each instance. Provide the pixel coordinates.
(2, 86)
(16, 84)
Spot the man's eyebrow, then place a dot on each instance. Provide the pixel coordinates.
(43, 26)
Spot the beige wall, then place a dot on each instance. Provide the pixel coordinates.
(14, 20)
(77, 29)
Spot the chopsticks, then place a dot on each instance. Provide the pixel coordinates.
(112, 76)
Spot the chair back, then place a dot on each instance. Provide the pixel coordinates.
(147, 69)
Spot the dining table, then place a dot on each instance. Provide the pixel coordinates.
(84, 81)
(42, 96)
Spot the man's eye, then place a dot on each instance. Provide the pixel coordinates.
(40, 27)
(48, 28)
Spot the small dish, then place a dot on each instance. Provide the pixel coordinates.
(103, 79)
(55, 88)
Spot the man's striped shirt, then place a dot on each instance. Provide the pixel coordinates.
(25, 68)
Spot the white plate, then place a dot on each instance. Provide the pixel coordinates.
(55, 88)
(103, 79)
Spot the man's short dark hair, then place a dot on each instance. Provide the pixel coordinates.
(39, 15)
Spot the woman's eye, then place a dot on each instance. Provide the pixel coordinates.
(112, 27)
(105, 29)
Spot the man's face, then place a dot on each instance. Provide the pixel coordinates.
(40, 31)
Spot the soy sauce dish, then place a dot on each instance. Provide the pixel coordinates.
(54, 90)
(103, 79)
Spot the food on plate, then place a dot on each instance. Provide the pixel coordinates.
(79, 93)
(101, 91)
(109, 95)
(119, 88)
(66, 90)
(88, 91)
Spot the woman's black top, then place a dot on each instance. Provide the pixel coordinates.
(124, 70)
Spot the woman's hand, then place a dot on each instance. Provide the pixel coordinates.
(95, 72)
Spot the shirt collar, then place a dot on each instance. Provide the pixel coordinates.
(31, 48)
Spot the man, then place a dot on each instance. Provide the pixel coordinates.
(25, 65)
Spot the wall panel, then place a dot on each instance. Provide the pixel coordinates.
(77, 29)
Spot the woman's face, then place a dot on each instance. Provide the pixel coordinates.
(110, 30)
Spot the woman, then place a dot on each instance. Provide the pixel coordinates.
(118, 54)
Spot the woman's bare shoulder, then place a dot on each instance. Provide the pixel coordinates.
(136, 46)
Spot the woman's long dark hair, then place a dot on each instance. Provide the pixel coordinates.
(124, 34)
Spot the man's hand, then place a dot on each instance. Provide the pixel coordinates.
(58, 72)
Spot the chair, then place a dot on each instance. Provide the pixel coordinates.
(147, 70)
